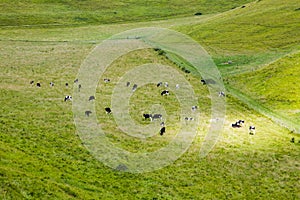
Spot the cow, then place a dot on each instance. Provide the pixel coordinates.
(241, 122)
(108, 110)
(79, 87)
(106, 80)
(166, 84)
(252, 130)
(87, 113)
(221, 94)
(128, 84)
(76, 80)
(293, 140)
(134, 87)
(147, 116)
(162, 131)
(203, 81)
(236, 125)
(165, 92)
(31, 82)
(38, 84)
(51, 84)
(155, 116)
(194, 108)
(91, 98)
(68, 98)
(188, 118)
(162, 124)
(177, 86)
(159, 84)
(67, 84)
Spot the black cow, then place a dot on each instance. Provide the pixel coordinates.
(88, 112)
(67, 84)
(127, 84)
(31, 82)
(293, 140)
(68, 98)
(236, 125)
(79, 87)
(203, 81)
(108, 110)
(147, 116)
(134, 87)
(251, 130)
(165, 92)
(38, 84)
(159, 84)
(162, 131)
(91, 98)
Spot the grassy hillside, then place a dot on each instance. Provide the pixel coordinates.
(51, 12)
(251, 36)
(42, 157)
(274, 86)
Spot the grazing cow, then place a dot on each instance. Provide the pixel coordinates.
(203, 81)
(221, 94)
(159, 84)
(87, 113)
(31, 82)
(67, 84)
(106, 80)
(79, 87)
(236, 125)
(166, 84)
(108, 110)
(51, 84)
(188, 118)
(252, 130)
(38, 84)
(293, 140)
(162, 131)
(177, 86)
(127, 84)
(91, 98)
(134, 87)
(165, 92)
(156, 116)
(241, 122)
(76, 80)
(194, 108)
(162, 123)
(68, 98)
(147, 116)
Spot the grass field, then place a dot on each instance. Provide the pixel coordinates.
(41, 155)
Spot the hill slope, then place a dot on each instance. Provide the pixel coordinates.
(49, 12)
(258, 33)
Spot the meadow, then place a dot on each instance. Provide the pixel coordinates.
(42, 156)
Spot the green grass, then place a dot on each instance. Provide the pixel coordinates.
(250, 37)
(274, 86)
(42, 157)
(51, 13)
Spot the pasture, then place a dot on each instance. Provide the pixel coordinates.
(42, 156)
